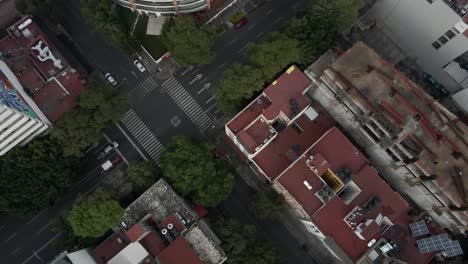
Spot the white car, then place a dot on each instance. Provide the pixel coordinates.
(139, 65)
(111, 79)
(110, 147)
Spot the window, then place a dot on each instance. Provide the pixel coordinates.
(443, 40)
(454, 29)
(436, 45)
(449, 34)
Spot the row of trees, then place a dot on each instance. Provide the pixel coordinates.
(99, 107)
(305, 38)
(241, 82)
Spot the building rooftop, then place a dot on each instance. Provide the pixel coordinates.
(160, 201)
(110, 247)
(356, 206)
(179, 252)
(292, 142)
(42, 71)
(433, 139)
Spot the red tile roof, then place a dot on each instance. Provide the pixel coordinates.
(135, 232)
(291, 85)
(109, 248)
(288, 145)
(152, 243)
(249, 114)
(179, 252)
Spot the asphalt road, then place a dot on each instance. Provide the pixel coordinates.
(160, 109)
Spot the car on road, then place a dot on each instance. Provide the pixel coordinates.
(111, 79)
(139, 65)
(241, 22)
(108, 148)
(106, 166)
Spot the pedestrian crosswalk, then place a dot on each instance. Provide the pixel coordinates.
(143, 135)
(186, 102)
(142, 90)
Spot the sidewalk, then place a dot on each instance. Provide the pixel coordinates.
(287, 217)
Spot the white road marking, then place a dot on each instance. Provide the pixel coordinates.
(187, 70)
(250, 27)
(269, 11)
(16, 251)
(41, 248)
(205, 86)
(260, 34)
(211, 107)
(242, 49)
(232, 41)
(209, 100)
(42, 229)
(35, 217)
(277, 20)
(134, 74)
(197, 77)
(9, 238)
(221, 66)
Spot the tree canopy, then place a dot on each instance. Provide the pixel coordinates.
(191, 168)
(315, 33)
(79, 128)
(344, 12)
(273, 54)
(94, 215)
(239, 84)
(106, 18)
(34, 176)
(188, 43)
(243, 244)
(143, 174)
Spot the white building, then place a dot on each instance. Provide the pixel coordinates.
(432, 32)
(165, 7)
(21, 120)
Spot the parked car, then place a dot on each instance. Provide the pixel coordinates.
(109, 147)
(106, 166)
(111, 79)
(241, 22)
(116, 159)
(139, 65)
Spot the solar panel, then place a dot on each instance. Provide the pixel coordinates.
(439, 242)
(419, 228)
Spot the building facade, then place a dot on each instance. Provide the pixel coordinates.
(434, 33)
(21, 120)
(165, 7)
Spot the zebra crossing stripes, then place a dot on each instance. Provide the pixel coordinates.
(143, 135)
(142, 90)
(186, 102)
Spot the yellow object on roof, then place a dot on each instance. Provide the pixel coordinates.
(291, 69)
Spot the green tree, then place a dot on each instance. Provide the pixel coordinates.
(94, 215)
(243, 244)
(273, 54)
(143, 174)
(345, 12)
(316, 34)
(190, 167)
(106, 18)
(239, 84)
(79, 128)
(68, 240)
(45, 9)
(266, 206)
(34, 176)
(188, 43)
